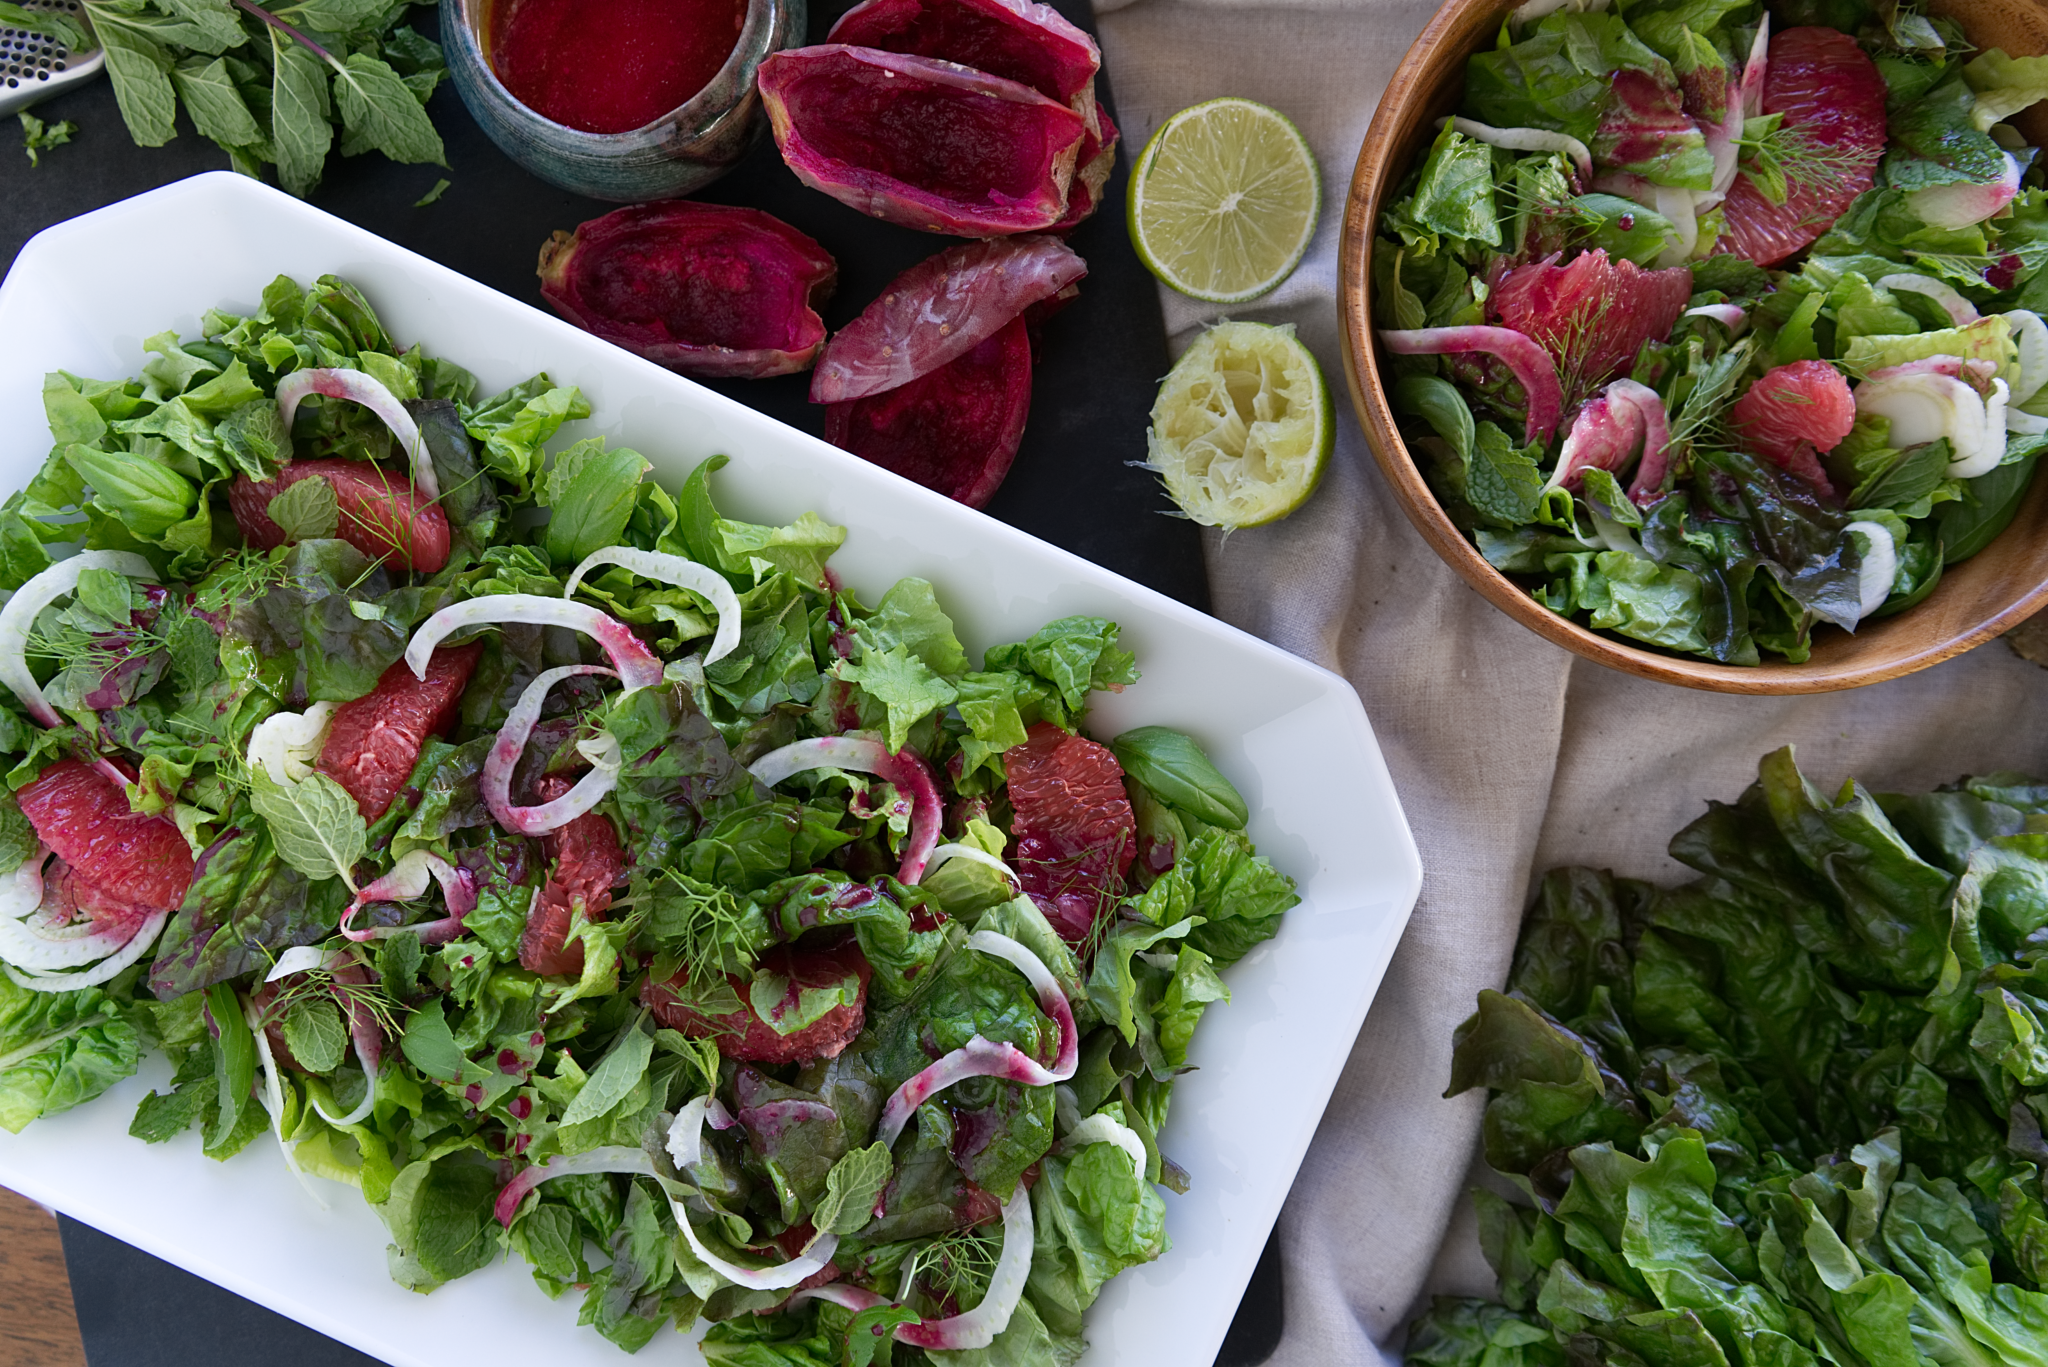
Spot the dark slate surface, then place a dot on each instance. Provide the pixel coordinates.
(1072, 484)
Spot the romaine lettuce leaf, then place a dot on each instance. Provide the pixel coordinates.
(58, 1049)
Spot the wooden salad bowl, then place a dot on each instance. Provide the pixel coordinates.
(1997, 588)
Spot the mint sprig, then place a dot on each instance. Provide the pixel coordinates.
(270, 85)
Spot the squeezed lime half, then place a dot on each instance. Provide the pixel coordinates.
(1224, 199)
(1242, 427)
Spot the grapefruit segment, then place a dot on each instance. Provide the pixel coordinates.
(1794, 411)
(1593, 315)
(381, 514)
(375, 739)
(115, 855)
(1832, 138)
(588, 861)
(743, 1035)
(1074, 831)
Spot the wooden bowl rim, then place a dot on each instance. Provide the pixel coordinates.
(1411, 490)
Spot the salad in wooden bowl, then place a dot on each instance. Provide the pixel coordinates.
(1705, 338)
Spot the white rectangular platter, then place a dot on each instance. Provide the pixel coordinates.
(83, 295)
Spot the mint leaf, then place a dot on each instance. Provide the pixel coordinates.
(614, 1076)
(314, 822)
(337, 16)
(299, 131)
(38, 137)
(379, 110)
(49, 23)
(140, 71)
(217, 108)
(306, 510)
(1501, 483)
(210, 26)
(432, 196)
(851, 1188)
(314, 1033)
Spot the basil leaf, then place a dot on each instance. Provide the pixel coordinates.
(1174, 768)
(592, 492)
(104, 593)
(868, 1334)
(398, 965)
(315, 823)
(234, 1060)
(148, 498)
(1437, 402)
(307, 509)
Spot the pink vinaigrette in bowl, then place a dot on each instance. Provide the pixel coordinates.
(610, 66)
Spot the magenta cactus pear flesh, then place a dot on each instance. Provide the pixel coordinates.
(706, 289)
(954, 429)
(939, 310)
(1096, 160)
(922, 143)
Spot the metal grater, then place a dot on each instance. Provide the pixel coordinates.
(34, 67)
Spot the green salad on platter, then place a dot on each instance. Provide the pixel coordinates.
(1714, 325)
(581, 874)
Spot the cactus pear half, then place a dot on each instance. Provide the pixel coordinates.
(954, 429)
(922, 143)
(706, 289)
(1017, 40)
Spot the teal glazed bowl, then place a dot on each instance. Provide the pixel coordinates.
(683, 150)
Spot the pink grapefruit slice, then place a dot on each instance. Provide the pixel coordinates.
(1794, 411)
(1832, 98)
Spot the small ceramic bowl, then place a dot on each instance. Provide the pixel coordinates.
(686, 148)
(1995, 589)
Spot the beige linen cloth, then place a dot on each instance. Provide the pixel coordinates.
(1511, 756)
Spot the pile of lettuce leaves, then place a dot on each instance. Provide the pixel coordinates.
(488, 1068)
(1738, 559)
(1790, 1113)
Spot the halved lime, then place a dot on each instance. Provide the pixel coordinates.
(1242, 427)
(1224, 200)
